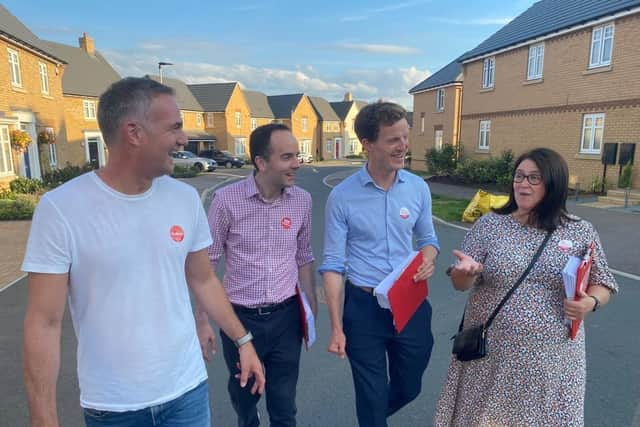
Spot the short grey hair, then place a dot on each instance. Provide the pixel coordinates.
(124, 98)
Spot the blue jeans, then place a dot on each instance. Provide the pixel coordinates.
(384, 388)
(189, 410)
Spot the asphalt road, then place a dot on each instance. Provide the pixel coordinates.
(325, 392)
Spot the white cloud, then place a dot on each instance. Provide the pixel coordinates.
(152, 46)
(384, 9)
(475, 21)
(390, 84)
(379, 48)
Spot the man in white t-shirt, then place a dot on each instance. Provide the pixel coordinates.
(125, 244)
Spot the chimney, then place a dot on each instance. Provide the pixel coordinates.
(348, 96)
(86, 43)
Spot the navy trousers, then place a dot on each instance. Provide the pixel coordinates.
(382, 390)
(277, 338)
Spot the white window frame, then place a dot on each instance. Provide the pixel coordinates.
(239, 145)
(6, 163)
(536, 61)
(437, 139)
(488, 72)
(210, 122)
(599, 48)
(421, 123)
(14, 68)
(592, 128)
(44, 78)
(304, 123)
(238, 119)
(53, 155)
(440, 99)
(254, 123)
(199, 119)
(329, 146)
(89, 109)
(353, 145)
(484, 135)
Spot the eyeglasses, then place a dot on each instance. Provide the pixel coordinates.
(534, 178)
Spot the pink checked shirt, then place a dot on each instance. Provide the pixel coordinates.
(263, 243)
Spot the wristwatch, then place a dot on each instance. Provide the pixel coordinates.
(597, 302)
(243, 339)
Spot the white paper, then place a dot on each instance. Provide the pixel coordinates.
(382, 290)
(569, 273)
(311, 321)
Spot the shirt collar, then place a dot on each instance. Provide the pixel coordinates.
(365, 178)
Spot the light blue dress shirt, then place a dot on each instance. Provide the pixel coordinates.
(369, 231)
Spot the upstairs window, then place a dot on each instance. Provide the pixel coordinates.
(601, 46)
(440, 100)
(44, 78)
(488, 69)
(14, 68)
(536, 61)
(89, 108)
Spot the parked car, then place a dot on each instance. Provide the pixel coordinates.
(223, 158)
(188, 159)
(305, 157)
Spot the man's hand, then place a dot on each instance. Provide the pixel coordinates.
(466, 264)
(207, 338)
(338, 344)
(576, 310)
(425, 270)
(250, 366)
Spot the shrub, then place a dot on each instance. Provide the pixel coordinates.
(16, 209)
(353, 156)
(8, 195)
(25, 185)
(183, 172)
(495, 170)
(625, 177)
(58, 177)
(442, 162)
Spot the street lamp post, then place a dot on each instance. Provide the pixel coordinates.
(160, 64)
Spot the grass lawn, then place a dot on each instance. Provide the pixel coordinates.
(448, 208)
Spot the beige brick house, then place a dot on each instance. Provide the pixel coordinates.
(437, 105)
(87, 75)
(297, 112)
(329, 135)
(570, 83)
(30, 99)
(259, 108)
(347, 110)
(227, 115)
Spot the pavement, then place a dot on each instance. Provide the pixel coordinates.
(619, 229)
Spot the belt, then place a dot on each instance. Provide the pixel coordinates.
(366, 289)
(264, 310)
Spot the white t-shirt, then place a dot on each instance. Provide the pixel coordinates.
(128, 295)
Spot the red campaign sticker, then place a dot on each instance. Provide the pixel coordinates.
(285, 223)
(177, 233)
(404, 213)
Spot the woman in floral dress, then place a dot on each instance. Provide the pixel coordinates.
(533, 374)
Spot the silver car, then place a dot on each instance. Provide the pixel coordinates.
(187, 159)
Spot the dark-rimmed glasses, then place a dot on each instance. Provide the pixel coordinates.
(533, 178)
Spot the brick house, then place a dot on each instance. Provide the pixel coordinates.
(560, 75)
(259, 108)
(347, 110)
(329, 136)
(87, 75)
(192, 113)
(227, 115)
(296, 111)
(30, 99)
(437, 104)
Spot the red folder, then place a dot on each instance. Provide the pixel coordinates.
(405, 295)
(582, 282)
(303, 318)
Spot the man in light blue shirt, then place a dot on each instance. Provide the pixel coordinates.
(371, 220)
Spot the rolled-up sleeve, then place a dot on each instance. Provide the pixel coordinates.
(335, 236)
(219, 221)
(304, 253)
(423, 230)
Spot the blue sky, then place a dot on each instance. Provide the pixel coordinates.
(375, 49)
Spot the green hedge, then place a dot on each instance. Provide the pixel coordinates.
(182, 172)
(495, 170)
(57, 177)
(20, 208)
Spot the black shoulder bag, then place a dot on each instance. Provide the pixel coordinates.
(471, 344)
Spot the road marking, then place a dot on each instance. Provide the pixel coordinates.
(14, 282)
(206, 192)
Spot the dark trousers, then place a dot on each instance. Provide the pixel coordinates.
(371, 340)
(277, 338)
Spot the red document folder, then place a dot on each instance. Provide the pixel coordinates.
(405, 295)
(582, 282)
(307, 321)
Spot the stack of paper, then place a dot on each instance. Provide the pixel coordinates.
(575, 276)
(399, 293)
(569, 276)
(307, 319)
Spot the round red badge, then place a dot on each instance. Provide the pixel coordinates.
(285, 223)
(177, 233)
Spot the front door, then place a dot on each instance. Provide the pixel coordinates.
(336, 153)
(31, 155)
(94, 149)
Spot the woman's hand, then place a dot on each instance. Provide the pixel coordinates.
(576, 310)
(466, 264)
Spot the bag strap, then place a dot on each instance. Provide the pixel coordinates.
(515, 286)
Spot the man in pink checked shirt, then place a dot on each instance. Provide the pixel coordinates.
(262, 226)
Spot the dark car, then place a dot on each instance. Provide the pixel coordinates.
(223, 158)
